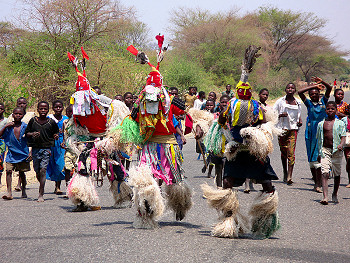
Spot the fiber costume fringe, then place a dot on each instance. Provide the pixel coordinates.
(265, 220)
(202, 118)
(122, 194)
(178, 198)
(81, 190)
(232, 223)
(147, 197)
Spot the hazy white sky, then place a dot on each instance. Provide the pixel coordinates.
(156, 13)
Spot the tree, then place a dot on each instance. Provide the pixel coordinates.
(285, 29)
(53, 27)
(315, 55)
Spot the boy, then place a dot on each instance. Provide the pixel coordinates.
(18, 152)
(41, 133)
(331, 134)
(3, 122)
(22, 103)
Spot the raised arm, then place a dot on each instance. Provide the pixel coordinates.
(302, 91)
(328, 87)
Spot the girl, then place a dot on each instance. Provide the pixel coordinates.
(341, 105)
(55, 168)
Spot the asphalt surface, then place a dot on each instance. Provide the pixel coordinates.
(50, 232)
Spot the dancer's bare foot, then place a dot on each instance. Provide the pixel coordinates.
(40, 199)
(335, 199)
(348, 186)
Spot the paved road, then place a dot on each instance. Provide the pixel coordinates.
(50, 232)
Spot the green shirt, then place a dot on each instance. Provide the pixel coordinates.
(339, 130)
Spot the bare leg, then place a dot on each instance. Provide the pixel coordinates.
(58, 188)
(18, 187)
(22, 175)
(313, 172)
(67, 175)
(325, 188)
(348, 170)
(290, 172)
(218, 174)
(268, 187)
(335, 189)
(41, 176)
(318, 180)
(284, 166)
(8, 196)
(210, 170)
(247, 186)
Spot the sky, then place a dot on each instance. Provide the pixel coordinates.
(156, 13)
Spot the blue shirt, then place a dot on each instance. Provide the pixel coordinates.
(18, 150)
(316, 112)
(339, 130)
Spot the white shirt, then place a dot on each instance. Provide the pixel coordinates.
(198, 104)
(293, 111)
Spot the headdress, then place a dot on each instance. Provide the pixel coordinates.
(154, 101)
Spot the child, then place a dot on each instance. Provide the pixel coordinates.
(341, 105)
(119, 97)
(41, 133)
(210, 105)
(70, 157)
(128, 100)
(289, 119)
(331, 134)
(228, 91)
(3, 122)
(200, 101)
(54, 170)
(316, 112)
(22, 103)
(18, 152)
(190, 97)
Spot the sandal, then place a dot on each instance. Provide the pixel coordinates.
(323, 202)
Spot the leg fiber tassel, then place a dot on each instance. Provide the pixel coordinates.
(232, 222)
(147, 197)
(179, 199)
(265, 221)
(122, 194)
(81, 189)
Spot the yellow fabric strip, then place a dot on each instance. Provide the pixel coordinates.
(236, 113)
(173, 154)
